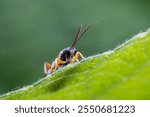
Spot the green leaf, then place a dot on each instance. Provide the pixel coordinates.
(122, 73)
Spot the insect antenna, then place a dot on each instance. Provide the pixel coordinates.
(79, 34)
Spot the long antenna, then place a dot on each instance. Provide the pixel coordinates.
(79, 34)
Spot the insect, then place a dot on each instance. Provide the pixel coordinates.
(67, 55)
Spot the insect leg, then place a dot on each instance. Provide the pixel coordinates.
(75, 58)
(58, 62)
(47, 68)
(79, 54)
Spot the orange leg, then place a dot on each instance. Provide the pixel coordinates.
(75, 58)
(47, 68)
(57, 63)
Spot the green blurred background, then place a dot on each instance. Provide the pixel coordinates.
(34, 31)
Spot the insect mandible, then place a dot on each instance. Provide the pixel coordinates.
(67, 55)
